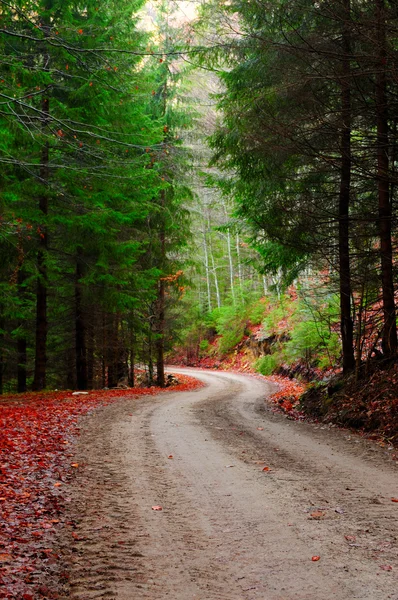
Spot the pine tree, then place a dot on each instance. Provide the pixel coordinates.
(80, 136)
(313, 96)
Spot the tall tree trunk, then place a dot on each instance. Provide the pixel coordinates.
(207, 267)
(21, 342)
(240, 270)
(213, 266)
(230, 260)
(80, 329)
(216, 284)
(104, 351)
(90, 353)
(39, 381)
(231, 267)
(389, 338)
(70, 369)
(265, 286)
(2, 361)
(347, 329)
(122, 351)
(394, 157)
(160, 376)
(131, 375)
(160, 304)
(150, 357)
(113, 351)
(22, 361)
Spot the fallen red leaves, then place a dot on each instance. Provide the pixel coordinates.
(288, 395)
(36, 445)
(368, 405)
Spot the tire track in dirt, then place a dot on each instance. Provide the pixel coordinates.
(102, 548)
(344, 471)
(227, 530)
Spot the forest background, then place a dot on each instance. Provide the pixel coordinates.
(124, 234)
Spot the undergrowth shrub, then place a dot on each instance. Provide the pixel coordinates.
(256, 311)
(204, 347)
(300, 328)
(231, 320)
(266, 365)
(312, 343)
(272, 320)
(230, 324)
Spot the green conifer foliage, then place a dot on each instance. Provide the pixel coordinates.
(84, 156)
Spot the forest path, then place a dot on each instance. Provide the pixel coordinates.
(228, 530)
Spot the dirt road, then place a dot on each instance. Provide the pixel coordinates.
(229, 530)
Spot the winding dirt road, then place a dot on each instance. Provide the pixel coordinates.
(229, 530)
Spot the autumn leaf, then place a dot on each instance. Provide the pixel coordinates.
(394, 499)
(267, 469)
(5, 557)
(318, 514)
(315, 558)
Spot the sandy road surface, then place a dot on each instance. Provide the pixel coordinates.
(228, 530)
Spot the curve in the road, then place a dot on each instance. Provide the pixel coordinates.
(229, 530)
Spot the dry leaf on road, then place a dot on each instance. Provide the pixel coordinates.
(318, 514)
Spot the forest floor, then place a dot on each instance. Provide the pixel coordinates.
(211, 494)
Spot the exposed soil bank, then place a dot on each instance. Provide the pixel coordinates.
(369, 405)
